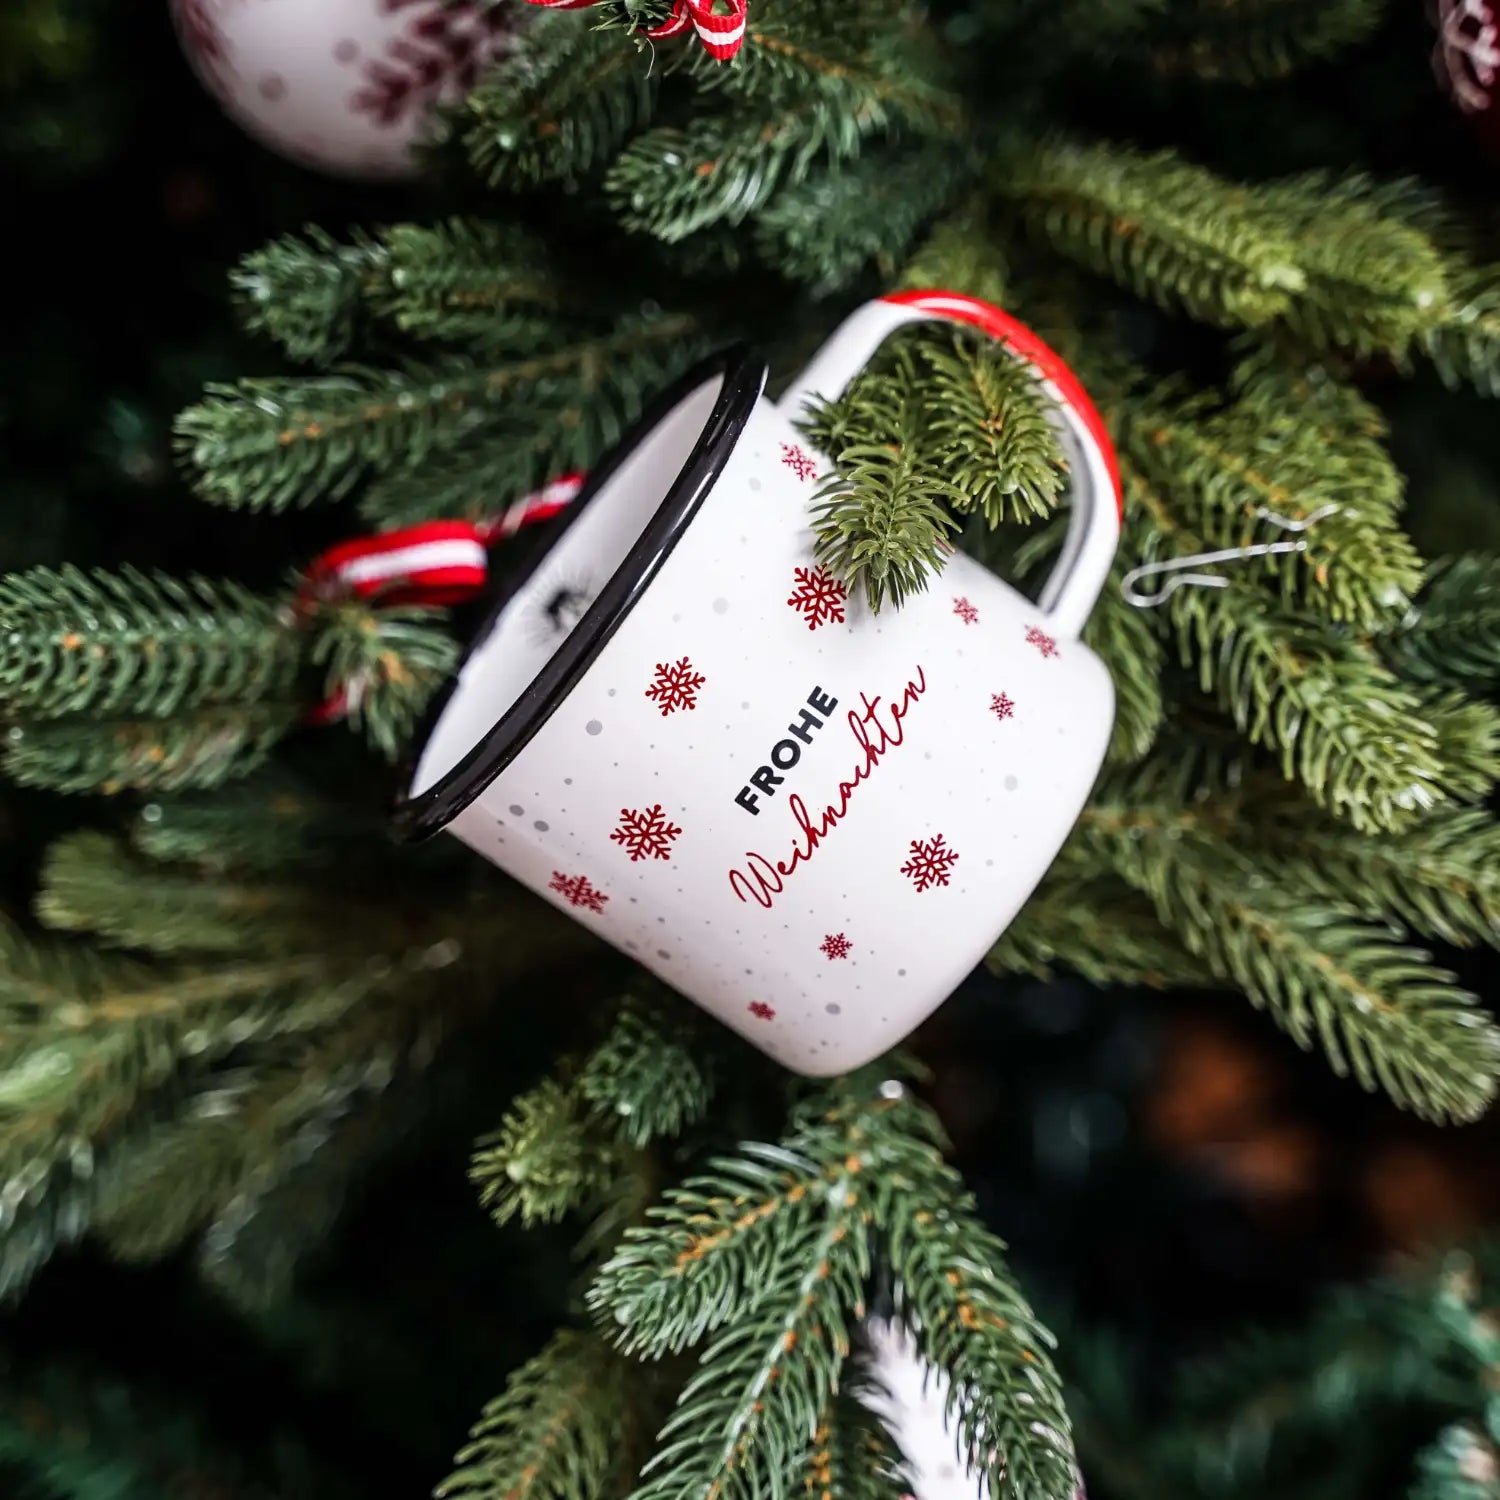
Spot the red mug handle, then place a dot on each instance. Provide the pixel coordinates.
(1097, 507)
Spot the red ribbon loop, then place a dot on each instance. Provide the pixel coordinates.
(722, 35)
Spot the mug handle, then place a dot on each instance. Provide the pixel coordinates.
(1088, 551)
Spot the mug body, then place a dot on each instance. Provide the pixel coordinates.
(812, 820)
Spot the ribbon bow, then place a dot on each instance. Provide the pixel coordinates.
(722, 35)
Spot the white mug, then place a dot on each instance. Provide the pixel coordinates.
(811, 820)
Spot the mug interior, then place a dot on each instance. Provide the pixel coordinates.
(549, 624)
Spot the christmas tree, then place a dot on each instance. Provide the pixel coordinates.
(239, 1015)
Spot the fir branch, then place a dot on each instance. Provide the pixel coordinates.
(1098, 927)
(1461, 1463)
(1171, 232)
(970, 1320)
(1464, 346)
(881, 521)
(92, 883)
(200, 748)
(1468, 738)
(489, 285)
(271, 444)
(558, 108)
(1253, 41)
(551, 1155)
(554, 1432)
(673, 181)
(305, 292)
(1127, 642)
(986, 424)
(824, 232)
(645, 1078)
(385, 664)
(1339, 721)
(888, 76)
(1441, 877)
(476, 481)
(745, 1417)
(1375, 279)
(271, 823)
(962, 254)
(1452, 633)
(1356, 565)
(147, 644)
(852, 1456)
(1379, 1010)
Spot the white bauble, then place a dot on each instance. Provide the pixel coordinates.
(346, 86)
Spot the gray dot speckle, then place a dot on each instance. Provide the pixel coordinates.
(901, 972)
(833, 1008)
(541, 825)
(1011, 783)
(516, 809)
(612, 692)
(721, 606)
(593, 727)
(662, 953)
(567, 781)
(755, 484)
(745, 704)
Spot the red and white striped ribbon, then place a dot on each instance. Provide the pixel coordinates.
(722, 35)
(433, 563)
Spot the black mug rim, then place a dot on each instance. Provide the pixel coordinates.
(743, 376)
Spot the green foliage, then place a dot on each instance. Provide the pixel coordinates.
(761, 1259)
(560, 107)
(825, 231)
(557, 1431)
(1453, 631)
(648, 1076)
(76, 643)
(267, 444)
(943, 422)
(1168, 230)
(1379, 1008)
(1249, 41)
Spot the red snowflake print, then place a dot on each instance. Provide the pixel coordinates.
(439, 55)
(836, 945)
(1001, 705)
(1035, 636)
(799, 461)
(577, 890)
(761, 1010)
(675, 686)
(965, 611)
(645, 833)
(818, 597)
(930, 864)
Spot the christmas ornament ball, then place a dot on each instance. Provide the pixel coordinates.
(343, 86)
(1466, 59)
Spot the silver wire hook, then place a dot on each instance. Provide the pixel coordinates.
(1172, 568)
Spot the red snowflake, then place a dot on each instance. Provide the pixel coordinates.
(965, 611)
(439, 56)
(645, 833)
(675, 686)
(836, 945)
(1035, 636)
(578, 890)
(1001, 705)
(930, 864)
(819, 597)
(799, 461)
(760, 1009)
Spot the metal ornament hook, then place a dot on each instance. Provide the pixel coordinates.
(1172, 569)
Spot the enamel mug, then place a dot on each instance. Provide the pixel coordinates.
(675, 725)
